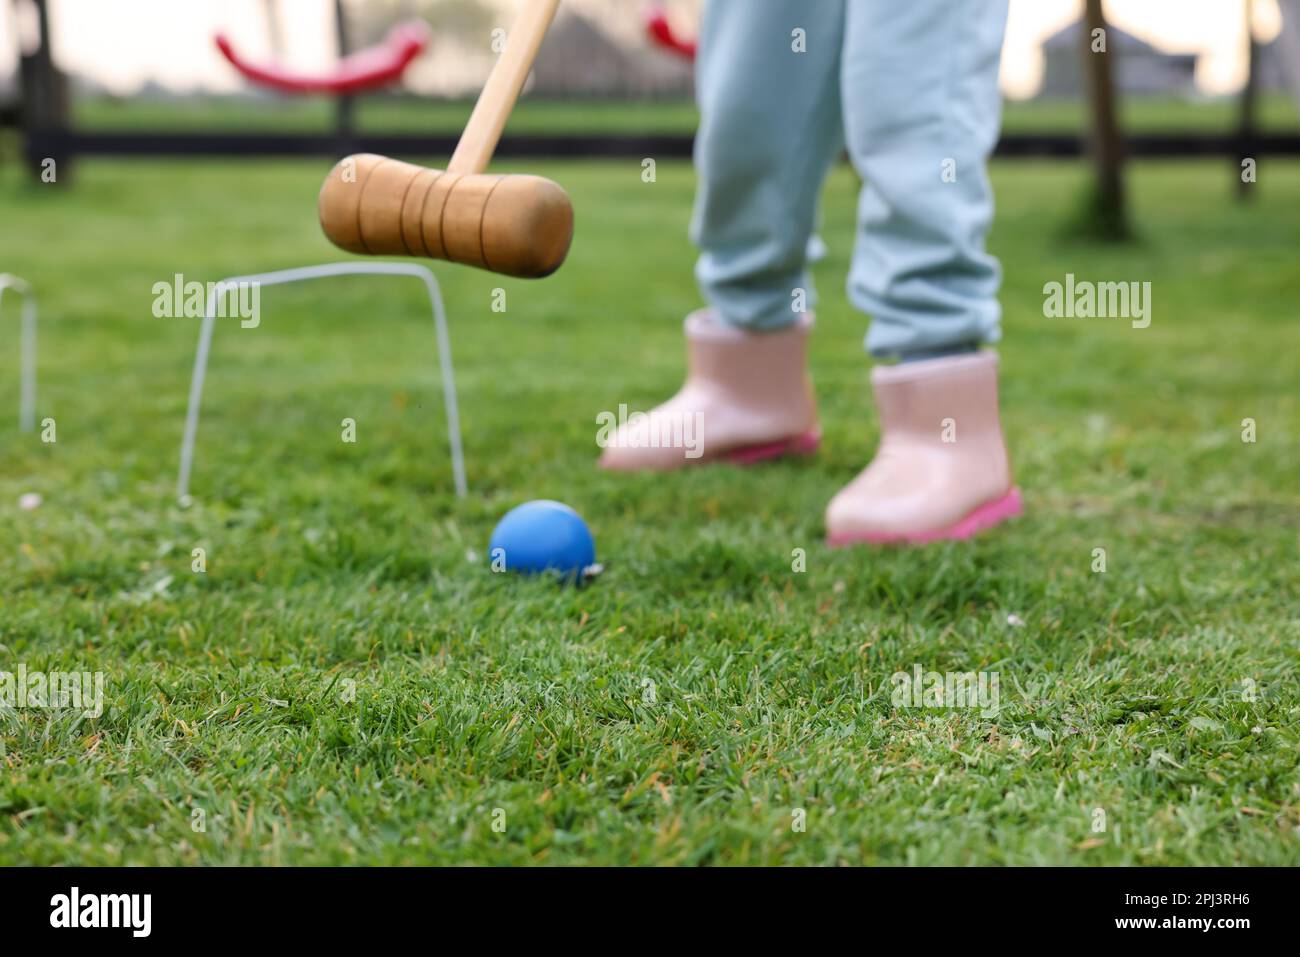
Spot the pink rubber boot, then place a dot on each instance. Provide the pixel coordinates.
(941, 471)
(747, 398)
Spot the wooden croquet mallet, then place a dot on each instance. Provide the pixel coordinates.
(516, 225)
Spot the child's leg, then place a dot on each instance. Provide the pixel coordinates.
(770, 125)
(921, 113)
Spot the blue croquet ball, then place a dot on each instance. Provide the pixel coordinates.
(542, 536)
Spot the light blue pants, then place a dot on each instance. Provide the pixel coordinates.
(911, 87)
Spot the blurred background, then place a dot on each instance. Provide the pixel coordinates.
(1199, 68)
(160, 48)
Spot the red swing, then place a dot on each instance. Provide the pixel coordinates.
(369, 69)
(662, 33)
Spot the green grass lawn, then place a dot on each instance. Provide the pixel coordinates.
(349, 682)
(385, 114)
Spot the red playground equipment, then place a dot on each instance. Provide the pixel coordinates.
(370, 69)
(661, 32)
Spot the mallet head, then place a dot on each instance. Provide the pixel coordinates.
(516, 225)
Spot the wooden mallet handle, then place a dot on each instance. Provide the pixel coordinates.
(479, 140)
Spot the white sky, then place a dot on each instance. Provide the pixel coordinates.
(123, 43)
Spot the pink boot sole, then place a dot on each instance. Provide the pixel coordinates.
(983, 518)
(805, 444)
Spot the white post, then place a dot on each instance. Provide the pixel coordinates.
(304, 274)
(27, 395)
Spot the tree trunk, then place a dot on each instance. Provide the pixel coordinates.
(345, 103)
(1106, 216)
(1247, 127)
(44, 104)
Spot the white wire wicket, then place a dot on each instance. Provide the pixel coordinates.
(304, 274)
(27, 394)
